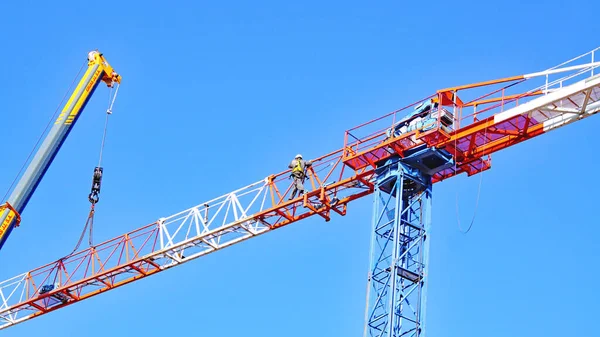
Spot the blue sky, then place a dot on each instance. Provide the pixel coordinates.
(216, 96)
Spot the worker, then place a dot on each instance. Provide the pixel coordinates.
(298, 166)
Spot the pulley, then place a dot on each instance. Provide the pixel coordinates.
(94, 196)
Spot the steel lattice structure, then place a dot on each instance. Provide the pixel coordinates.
(486, 118)
(399, 252)
(179, 238)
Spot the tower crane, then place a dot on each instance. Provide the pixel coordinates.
(397, 158)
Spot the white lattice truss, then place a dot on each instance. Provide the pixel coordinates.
(182, 237)
(263, 206)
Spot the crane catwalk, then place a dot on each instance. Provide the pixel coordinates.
(397, 158)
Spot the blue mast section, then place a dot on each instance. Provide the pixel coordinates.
(397, 282)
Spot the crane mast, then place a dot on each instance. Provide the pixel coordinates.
(397, 158)
(98, 70)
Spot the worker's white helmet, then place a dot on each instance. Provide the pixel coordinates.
(298, 156)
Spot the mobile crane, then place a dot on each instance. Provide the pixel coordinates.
(98, 70)
(397, 160)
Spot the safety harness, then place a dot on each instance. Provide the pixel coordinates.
(298, 167)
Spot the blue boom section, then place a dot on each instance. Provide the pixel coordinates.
(51, 145)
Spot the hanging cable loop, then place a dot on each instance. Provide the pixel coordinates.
(463, 231)
(94, 195)
(88, 224)
(56, 269)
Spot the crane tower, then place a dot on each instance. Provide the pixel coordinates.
(396, 158)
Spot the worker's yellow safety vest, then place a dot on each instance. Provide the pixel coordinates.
(298, 167)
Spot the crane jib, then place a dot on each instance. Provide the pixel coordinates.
(369, 163)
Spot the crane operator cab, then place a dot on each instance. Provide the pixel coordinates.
(428, 160)
(423, 118)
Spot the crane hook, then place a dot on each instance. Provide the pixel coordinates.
(94, 196)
